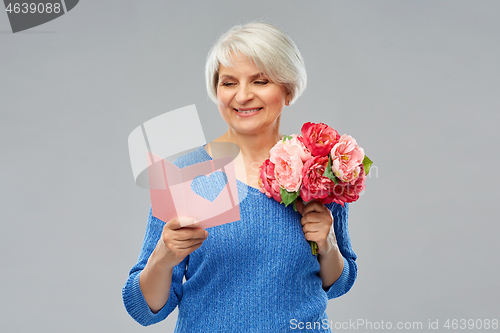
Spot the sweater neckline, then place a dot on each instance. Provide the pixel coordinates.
(251, 188)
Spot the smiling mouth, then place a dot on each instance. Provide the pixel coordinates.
(248, 111)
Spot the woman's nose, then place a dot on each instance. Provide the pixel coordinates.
(244, 94)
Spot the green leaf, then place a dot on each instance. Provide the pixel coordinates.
(367, 163)
(287, 137)
(329, 173)
(288, 197)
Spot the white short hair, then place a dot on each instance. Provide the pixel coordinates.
(274, 53)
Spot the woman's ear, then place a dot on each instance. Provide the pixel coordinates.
(288, 97)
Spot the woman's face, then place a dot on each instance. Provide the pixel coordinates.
(248, 101)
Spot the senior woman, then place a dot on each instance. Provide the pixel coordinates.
(256, 274)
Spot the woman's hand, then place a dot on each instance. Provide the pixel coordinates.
(176, 241)
(317, 224)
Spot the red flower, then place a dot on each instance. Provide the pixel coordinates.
(314, 184)
(319, 138)
(268, 184)
(347, 192)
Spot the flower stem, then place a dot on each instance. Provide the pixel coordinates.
(314, 247)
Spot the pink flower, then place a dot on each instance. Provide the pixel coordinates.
(314, 184)
(349, 192)
(268, 184)
(319, 138)
(347, 157)
(294, 146)
(287, 167)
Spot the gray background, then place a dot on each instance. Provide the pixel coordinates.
(415, 82)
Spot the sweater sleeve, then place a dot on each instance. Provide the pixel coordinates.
(350, 272)
(133, 298)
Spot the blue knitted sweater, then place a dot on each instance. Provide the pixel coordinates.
(253, 275)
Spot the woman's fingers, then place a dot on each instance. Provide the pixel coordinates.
(184, 234)
(182, 247)
(180, 237)
(187, 234)
(182, 221)
(187, 244)
(316, 221)
(316, 227)
(313, 218)
(314, 206)
(191, 230)
(312, 236)
(182, 240)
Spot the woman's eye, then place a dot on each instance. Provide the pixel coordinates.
(261, 82)
(226, 84)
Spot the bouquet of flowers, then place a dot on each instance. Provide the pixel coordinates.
(318, 165)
